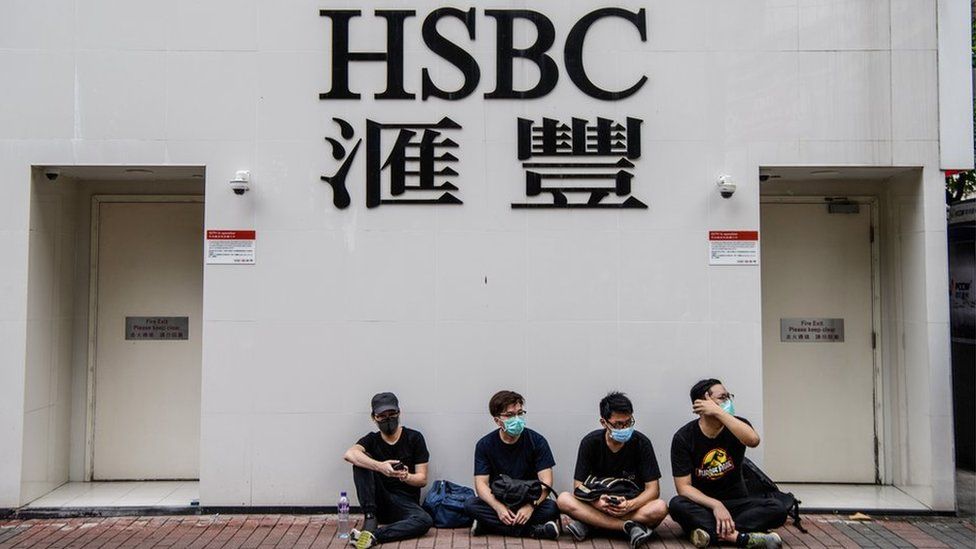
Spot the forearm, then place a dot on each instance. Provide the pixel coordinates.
(742, 430)
(360, 459)
(416, 480)
(484, 492)
(649, 494)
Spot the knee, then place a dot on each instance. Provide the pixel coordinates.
(680, 505)
(424, 522)
(548, 510)
(567, 502)
(652, 512)
(678, 502)
(471, 504)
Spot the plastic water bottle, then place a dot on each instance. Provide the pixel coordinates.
(343, 507)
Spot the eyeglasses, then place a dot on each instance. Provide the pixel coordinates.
(391, 415)
(621, 424)
(724, 397)
(510, 415)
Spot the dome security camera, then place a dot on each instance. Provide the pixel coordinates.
(726, 187)
(241, 182)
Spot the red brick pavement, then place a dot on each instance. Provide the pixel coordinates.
(319, 532)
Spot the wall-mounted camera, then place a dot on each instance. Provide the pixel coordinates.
(52, 174)
(726, 187)
(241, 182)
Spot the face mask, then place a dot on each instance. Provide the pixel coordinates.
(622, 435)
(514, 426)
(388, 426)
(728, 406)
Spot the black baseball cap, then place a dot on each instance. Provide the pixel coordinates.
(385, 402)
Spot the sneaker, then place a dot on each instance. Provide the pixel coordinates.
(758, 540)
(353, 536)
(476, 529)
(549, 530)
(365, 540)
(639, 534)
(579, 530)
(700, 538)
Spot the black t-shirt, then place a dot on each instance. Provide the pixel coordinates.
(410, 449)
(715, 464)
(635, 461)
(520, 460)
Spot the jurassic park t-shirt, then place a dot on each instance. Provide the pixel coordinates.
(715, 464)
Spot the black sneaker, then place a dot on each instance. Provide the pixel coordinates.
(476, 529)
(579, 530)
(549, 530)
(638, 533)
(369, 523)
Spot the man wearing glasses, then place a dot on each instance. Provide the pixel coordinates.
(389, 469)
(712, 504)
(616, 451)
(522, 454)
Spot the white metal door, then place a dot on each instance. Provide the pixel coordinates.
(147, 392)
(818, 394)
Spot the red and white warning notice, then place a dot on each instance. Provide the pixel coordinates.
(230, 247)
(733, 247)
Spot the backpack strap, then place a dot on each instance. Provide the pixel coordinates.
(794, 513)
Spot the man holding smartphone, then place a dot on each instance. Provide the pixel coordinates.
(616, 451)
(389, 469)
(712, 504)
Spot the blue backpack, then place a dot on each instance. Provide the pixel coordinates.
(445, 504)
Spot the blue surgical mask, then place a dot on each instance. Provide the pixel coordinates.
(728, 406)
(622, 435)
(514, 426)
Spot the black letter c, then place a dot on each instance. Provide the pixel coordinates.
(574, 52)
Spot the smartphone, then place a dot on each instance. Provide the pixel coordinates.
(614, 500)
(399, 466)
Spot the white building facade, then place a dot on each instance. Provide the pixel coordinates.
(521, 196)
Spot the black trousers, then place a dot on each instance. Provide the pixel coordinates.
(402, 516)
(488, 519)
(749, 514)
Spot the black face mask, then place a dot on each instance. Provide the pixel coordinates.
(388, 426)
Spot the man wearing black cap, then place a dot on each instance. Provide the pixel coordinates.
(389, 469)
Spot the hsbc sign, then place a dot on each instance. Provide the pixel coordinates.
(343, 20)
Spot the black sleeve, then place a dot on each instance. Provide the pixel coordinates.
(420, 453)
(583, 461)
(543, 458)
(482, 462)
(681, 464)
(649, 469)
(367, 443)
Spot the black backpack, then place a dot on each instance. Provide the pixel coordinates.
(514, 493)
(761, 486)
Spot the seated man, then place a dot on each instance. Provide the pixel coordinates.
(617, 451)
(522, 454)
(389, 469)
(706, 458)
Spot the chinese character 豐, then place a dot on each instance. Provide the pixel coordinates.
(579, 159)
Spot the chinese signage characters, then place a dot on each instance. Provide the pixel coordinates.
(567, 162)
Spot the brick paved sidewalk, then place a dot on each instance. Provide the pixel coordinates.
(319, 531)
